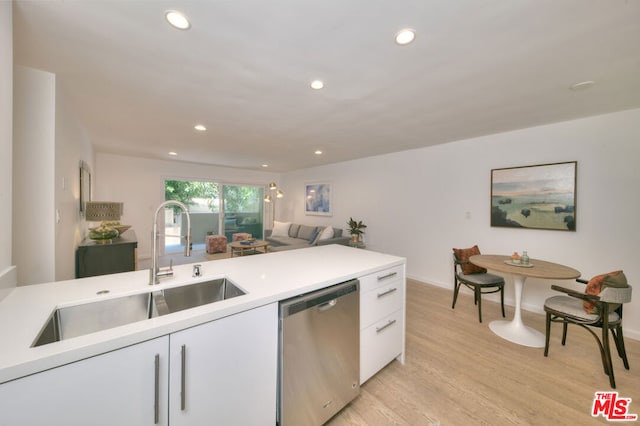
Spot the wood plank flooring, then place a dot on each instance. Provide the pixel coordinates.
(457, 372)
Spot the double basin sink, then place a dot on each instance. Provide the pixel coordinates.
(91, 317)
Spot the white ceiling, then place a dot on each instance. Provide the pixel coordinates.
(244, 68)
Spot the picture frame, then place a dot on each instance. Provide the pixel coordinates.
(535, 197)
(317, 199)
(85, 185)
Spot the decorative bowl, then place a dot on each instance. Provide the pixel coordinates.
(103, 234)
(121, 228)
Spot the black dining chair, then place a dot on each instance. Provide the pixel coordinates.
(477, 279)
(606, 315)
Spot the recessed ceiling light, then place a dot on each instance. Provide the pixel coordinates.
(200, 127)
(318, 152)
(405, 36)
(177, 19)
(265, 165)
(317, 84)
(583, 85)
(173, 153)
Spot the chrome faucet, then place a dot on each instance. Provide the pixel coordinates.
(156, 273)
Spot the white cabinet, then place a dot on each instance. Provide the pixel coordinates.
(224, 372)
(229, 379)
(127, 387)
(382, 320)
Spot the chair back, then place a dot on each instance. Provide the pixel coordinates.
(616, 294)
(457, 265)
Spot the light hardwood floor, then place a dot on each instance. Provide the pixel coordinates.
(457, 372)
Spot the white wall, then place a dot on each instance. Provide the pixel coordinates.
(8, 275)
(139, 184)
(48, 145)
(415, 203)
(33, 175)
(71, 145)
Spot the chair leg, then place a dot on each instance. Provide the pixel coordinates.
(502, 300)
(478, 294)
(455, 294)
(606, 357)
(617, 337)
(564, 333)
(547, 334)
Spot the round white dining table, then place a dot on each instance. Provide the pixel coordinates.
(515, 331)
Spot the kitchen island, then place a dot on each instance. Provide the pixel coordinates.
(229, 337)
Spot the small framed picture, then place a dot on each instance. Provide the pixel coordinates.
(317, 199)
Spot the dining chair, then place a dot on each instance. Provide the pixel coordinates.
(475, 278)
(606, 315)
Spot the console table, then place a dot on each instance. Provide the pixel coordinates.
(94, 258)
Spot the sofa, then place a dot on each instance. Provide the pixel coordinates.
(289, 236)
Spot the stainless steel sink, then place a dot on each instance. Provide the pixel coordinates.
(91, 317)
(177, 299)
(87, 318)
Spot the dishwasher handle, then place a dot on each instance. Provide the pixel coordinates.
(325, 299)
(327, 305)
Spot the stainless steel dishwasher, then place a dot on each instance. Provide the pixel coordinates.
(319, 354)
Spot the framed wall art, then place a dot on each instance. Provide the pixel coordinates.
(85, 185)
(317, 199)
(537, 197)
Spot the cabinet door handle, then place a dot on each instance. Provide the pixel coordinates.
(183, 364)
(384, 293)
(156, 391)
(388, 324)
(389, 275)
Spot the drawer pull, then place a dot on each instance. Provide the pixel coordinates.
(389, 275)
(156, 390)
(384, 293)
(388, 324)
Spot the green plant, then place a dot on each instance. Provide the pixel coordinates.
(356, 227)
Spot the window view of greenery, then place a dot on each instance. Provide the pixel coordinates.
(243, 211)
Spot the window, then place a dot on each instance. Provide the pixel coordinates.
(242, 212)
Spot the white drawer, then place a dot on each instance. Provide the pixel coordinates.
(380, 278)
(380, 344)
(380, 302)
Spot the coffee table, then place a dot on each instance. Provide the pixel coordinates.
(515, 331)
(241, 247)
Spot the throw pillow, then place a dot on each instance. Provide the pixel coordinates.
(293, 230)
(280, 229)
(314, 237)
(327, 233)
(305, 232)
(597, 283)
(463, 255)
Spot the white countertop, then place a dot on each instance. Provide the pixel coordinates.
(266, 278)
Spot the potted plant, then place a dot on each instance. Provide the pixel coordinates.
(355, 229)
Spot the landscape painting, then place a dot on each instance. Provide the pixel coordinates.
(537, 197)
(317, 200)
